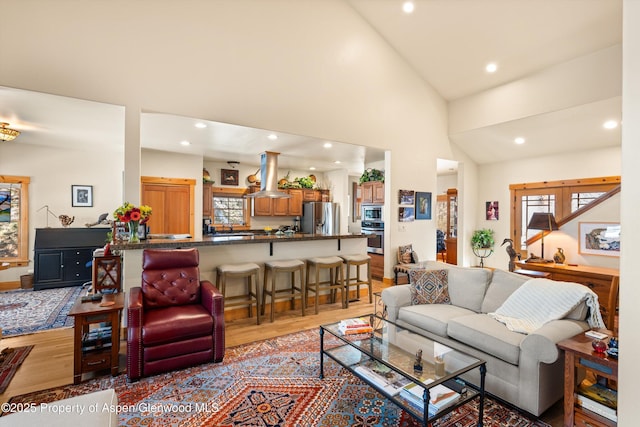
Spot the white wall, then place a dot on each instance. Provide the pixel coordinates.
(629, 374)
(496, 177)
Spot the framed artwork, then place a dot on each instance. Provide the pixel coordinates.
(599, 238)
(492, 211)
(406, 197)
(229, 177)
(406, 214)
(82, 195)
(423, 205)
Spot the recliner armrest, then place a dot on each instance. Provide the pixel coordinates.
(135, 307)
(213, 301)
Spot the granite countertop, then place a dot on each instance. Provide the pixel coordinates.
(231, 239)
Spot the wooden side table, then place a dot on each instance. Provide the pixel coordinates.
(96, 338)
(579, 356)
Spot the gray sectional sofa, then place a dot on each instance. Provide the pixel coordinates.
(525, 370)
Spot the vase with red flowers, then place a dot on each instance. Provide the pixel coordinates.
(133, 216)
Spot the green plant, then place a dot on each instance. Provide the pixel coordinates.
(483, 239)
(372, 175)
(305, 182)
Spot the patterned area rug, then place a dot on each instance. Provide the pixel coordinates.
(265, 384)
(25, 311)
(10, 361)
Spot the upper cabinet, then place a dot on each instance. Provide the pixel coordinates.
(292, 206)
(207, 201)
(373, 192)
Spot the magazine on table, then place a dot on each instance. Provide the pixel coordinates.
(382, 376)
(440, 396)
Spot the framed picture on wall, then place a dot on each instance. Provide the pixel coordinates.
(423, 205)
(229, 177)
(406, 197)
(599, 238)
(406, 214)
(82, 195)
(492, 211)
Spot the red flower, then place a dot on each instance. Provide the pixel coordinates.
(135, 215)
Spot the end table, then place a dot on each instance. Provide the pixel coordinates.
(96, 338)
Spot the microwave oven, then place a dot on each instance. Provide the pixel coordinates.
(372, 213)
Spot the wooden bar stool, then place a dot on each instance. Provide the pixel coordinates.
(357, 261)
(292, 292)
(336, 278)
(249, 272)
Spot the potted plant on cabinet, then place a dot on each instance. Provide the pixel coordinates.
(372, 175)
(482, 242)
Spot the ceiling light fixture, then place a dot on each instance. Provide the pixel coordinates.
(7, 134)
(327, 145)
(200, 125)
(408, 7)
(233, 163)
(185, 143)
(491, 67)
(337, 162)
(312, 168)
(273, 137)
(610, 124)
(519, 140)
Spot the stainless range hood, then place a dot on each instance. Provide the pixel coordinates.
(269, 177)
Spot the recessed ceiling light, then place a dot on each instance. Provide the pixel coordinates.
(337, 162)
(610, 124)
(491, 67)
(519, 140)
(312, 168)
(185, 143)
(408, 7)
(272, 136)
(200, 125)
(327, 145)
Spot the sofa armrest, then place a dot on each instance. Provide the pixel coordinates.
(395, 297)
(213, 302)
(541, 344)
(134, 333)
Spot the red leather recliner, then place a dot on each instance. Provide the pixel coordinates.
(174, 320)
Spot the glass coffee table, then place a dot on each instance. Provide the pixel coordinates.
(393, 360)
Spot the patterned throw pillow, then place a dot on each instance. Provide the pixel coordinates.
(404, 254)
(429, 286)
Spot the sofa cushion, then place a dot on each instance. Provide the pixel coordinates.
(432, 317)
(467, 286)
(429, 286)
(488, 335)
(503, 283)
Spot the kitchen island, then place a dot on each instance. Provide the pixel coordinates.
(230, 248)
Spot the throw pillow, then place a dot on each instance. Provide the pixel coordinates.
(429, 286)
(414, 257)
(404, 254)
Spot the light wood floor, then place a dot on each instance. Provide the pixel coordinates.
(50, 363)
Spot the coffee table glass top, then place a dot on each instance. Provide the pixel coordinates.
(398, 348)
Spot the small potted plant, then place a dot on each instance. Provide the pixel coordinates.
(372, 175)
(482, 242)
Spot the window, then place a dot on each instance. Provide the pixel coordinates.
(14, 219)
(230, 208)
(561, 198)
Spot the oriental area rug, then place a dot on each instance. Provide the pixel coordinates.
(10, 361)
(265, 384)
(25, 311)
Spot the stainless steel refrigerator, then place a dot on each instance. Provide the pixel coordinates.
(321, 218)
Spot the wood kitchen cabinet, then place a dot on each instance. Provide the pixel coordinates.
(207, 200)
(373, 192)
(292, 206)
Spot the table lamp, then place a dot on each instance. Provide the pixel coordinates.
(542, 221)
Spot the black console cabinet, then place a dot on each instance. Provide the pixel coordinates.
(61, 255)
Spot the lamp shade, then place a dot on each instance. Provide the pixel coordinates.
(6, 133)
(542, 221)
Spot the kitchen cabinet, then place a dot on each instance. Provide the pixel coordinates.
(207, 201)
(61, 255)
(264, 206)
(373, 192)
(451, 241)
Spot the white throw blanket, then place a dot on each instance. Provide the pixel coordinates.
(539, 301)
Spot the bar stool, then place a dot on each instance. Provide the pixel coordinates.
(357, 261)
(335, 282)
(293, 292)
(247, 271)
